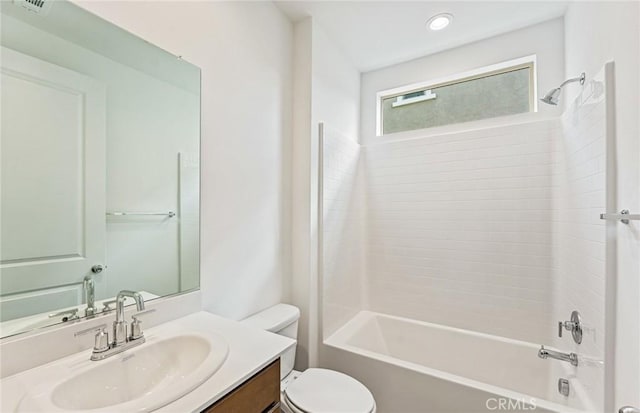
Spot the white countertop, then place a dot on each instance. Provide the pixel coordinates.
(250, 350)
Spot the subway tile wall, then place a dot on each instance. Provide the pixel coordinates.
(342, 272)
(494, 230)
(459, 229)
(579, 240)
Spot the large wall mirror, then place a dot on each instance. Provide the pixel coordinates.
(100, 140)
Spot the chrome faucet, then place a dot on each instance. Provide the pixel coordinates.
(89, 287)
(104, 348)
(572, 358)
(120, 326)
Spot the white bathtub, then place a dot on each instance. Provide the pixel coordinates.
(433, 368)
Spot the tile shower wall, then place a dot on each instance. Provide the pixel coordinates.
(343, 216)
(459, 229)
(494, 230)
(579, 240)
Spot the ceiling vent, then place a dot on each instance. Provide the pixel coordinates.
(40, 7)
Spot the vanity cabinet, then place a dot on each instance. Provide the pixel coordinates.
(259, 394)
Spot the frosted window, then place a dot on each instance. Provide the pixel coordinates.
(498, 94)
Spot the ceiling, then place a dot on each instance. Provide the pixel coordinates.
(375, 34)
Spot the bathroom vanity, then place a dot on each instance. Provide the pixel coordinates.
(260, 393)
(240, 373)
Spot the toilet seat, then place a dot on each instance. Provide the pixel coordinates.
(327, 391)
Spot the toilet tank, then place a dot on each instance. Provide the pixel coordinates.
(281, 319)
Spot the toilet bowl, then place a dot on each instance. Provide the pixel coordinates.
(314, 390)
(324, 391)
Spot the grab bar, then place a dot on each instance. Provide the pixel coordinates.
(624, 216)
(169, 214)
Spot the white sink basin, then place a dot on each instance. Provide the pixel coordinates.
(138, 380)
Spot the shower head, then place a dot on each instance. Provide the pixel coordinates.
(553, 96)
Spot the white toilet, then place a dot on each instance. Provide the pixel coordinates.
(313, 390)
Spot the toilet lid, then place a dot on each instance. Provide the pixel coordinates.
(328, 391)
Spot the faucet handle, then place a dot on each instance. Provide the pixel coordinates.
(560, 328)
(575, 326)
(101, 342)
(136, 325)
(71, 314)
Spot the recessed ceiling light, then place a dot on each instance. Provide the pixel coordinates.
(439, 21)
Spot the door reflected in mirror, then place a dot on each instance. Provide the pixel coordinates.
(100, 171)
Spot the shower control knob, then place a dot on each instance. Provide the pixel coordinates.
(575, 326)
(565, 325)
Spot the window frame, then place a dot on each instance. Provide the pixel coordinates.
(495, 69)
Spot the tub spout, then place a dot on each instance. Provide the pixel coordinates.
(572, 358)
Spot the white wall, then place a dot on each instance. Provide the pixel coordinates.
(459, 229)
(543, 40)
(335, 103)
(301, 235)
(326, 78)
(336, 87)
(244, 51)
(596, 32)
